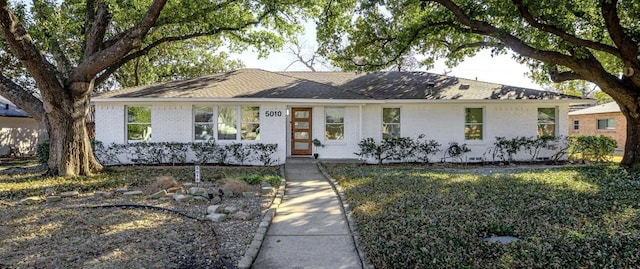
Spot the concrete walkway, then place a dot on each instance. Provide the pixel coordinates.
(309, 229)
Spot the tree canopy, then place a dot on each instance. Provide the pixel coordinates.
(591, 40)
(55, 53)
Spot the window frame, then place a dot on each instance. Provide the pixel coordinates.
(327, 123)
(555, 121)
(576, 124)
(481, 124)
(399, 123)
(607, 126)
(127, 123)
(238, 122)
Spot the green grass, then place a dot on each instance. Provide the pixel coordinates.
(17, 186)
(566, 218)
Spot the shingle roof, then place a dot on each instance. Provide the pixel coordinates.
(610, 107)
(256, 83)
(8, 109)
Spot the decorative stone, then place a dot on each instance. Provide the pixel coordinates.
(158, 195)
(217, 217)
(212, 209)
(174, 189)
(122, 190)
(67, 194)
(266, 190)
(182, 197)
(32, 200)
(501, 239)
(132, 193)
(105, 194)
(230, 209)
(187, 184)
(265, 184)
(241, 215)
(198, 191)
(216, 200)
(50, 192)
(53, 198)
(200, 198)
(248, 194)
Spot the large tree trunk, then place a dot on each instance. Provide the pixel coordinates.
(632, 144)
(70, 151)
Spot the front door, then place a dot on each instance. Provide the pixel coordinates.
(301, 131)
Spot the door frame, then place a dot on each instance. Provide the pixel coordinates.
(307, 140)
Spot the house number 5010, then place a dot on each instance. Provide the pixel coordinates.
(272, 113)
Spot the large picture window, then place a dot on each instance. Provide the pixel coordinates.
(203, 122)
(138, 123)
(473, 123)
(334, 123)
(390, 122)
(222, 122)
(606, 124)
(546, 122)
(250, 123)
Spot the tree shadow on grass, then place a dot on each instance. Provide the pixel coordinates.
(566, 218)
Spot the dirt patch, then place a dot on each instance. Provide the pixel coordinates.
(68, 234)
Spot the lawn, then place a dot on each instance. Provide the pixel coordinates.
(67, 234)
(416, 217)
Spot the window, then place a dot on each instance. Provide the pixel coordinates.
(203, 122)
(576, 125)
(334, 123)
(390, 122)
(546, 122)
(138, 123)
(250, 125)
(473, 123)
(606, 124)
(206, 126)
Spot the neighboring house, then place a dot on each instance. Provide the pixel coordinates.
(340, 109)
(18, 131)
(605, 119)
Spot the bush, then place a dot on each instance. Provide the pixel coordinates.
(396, 148)
(236, 186)
(593, 148)
(42, 151)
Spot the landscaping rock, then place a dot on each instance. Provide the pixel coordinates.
(200, 198)
(265, 184)
(53, 199)
(187, 184)
(50, 192)
(212, 209)
(217, 217)
(122, 190)
(230, 209)
(501, 239)
(241, 215)
(104, 194)
(198, 191)
(174, 189)
(182, 197)
(266, 190)
(32, 200)
(248, 194)
(133, 193)
(67, 194)
(216, 200)
(158, 195)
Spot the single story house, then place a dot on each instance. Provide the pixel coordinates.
(605, 119)
(18, 131)
(339, 109)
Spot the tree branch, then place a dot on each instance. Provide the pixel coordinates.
(629, 48)
(565, 76)
(22, 98)
(98, 29)
(524, 11)
(98, 61)
(114, 66)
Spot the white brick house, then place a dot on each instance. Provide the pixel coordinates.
(339, 109)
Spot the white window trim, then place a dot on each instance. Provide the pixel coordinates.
(126, 123)
(556, 122)
(382, 120)
(484, 123)
(216, 112)
(344, 113)
(608, 128)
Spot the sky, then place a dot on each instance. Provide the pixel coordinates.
(500, 69)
